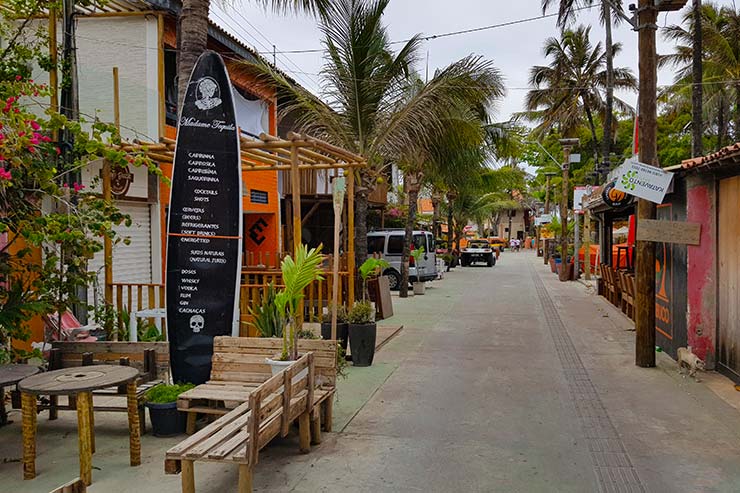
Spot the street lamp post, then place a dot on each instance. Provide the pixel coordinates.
(568, 145)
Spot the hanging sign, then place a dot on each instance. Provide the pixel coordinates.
(612, 197)
(579, 193)
(542, 219)
(204, 227)
(643, 181)
(338, 191)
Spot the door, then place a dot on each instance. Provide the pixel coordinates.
(431, 257)
(728, 227)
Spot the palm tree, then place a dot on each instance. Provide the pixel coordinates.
(452, 156)
(571, 84)
(368, 109)
(193, 27)
(567, 10)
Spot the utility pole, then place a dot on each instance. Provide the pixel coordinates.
(548, 176)
(697, 91)
(645, 251)
(568, 145)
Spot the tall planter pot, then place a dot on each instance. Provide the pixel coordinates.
(362, 343)
(342, 333)
(166, 420)
(552, 265)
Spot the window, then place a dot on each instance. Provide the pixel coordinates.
(395, 245)
(375, 244)
(420, 241)
(258, 197)
(432, 246)
(170, 84)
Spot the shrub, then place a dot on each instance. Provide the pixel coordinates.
(361, 313)
(163, 394)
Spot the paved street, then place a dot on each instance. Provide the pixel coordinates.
(503, 379)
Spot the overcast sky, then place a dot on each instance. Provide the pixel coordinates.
(513, 49)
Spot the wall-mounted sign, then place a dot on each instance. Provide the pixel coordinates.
(669, 231)
(120, 180)
(542, 219)
(643, 181)
(579, 193)
(613, 197)
(204, 223)
(258, 197)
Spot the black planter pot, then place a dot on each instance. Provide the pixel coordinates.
(362, 343)
(342, 333)
(166, 420)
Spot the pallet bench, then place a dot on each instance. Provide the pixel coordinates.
(239, 435)
(238, 368)
(151, 359)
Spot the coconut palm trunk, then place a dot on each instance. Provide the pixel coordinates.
(412, 192)
(191, 41)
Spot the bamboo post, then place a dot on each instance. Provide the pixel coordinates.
(645, 251)
(245, 478)
(133, 424)
(564, 216)
(28, 427)
(83, 436)
(187, 477)
(53, 80)
(295, 184)
(107, 243)
(351, 237)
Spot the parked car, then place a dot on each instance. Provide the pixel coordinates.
(389, 244)
(477, 251)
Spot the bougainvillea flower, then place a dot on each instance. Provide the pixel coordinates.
(35, 125)
(5, 174)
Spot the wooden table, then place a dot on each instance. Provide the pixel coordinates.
(79, 382)
(11, 375)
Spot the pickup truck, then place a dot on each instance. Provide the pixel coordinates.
(477, 251)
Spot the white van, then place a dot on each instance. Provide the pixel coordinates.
(389, 244)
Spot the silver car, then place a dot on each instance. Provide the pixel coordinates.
(388, 243)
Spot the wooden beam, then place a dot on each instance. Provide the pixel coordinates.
(295, 184)
(310, 212)
(160, 74)
(669, 232)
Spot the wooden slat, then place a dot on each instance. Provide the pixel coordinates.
(206, 432)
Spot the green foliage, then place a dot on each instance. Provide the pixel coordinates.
(163, 394)
(342, 364)
(361, 313)
(373, 267)
(51, 225)
(268, 319)
(417, 253)
(297, 275)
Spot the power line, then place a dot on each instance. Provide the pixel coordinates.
(459, 32)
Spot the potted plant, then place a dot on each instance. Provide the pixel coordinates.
(342, 326)
(266, 317)
(419, 285)
(362, 333)
(370, 268)
(161, 400)
(297, 275)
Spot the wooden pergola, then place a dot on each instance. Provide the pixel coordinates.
(297, 153)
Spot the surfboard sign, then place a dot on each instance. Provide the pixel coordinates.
(204, 224)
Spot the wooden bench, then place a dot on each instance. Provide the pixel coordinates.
(150, 358)
(74, 486)
(239, 435)
(238, 367)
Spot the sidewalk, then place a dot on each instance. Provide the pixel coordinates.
(681, 435)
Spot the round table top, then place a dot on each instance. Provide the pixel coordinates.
(78, 379)
(12, 374)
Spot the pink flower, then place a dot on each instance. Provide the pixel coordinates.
(16, 110)
(78, 186)
(5, 174)
(34, 125)
(45, 138)
(18, 77)
(10, 100)
(58, 150)
(65, 185)
(21, 134)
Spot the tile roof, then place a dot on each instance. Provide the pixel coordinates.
(731, 152)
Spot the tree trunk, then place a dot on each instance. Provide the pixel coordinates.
(435, 216)
(361, 207)
(193, 24)
(609, 110)
(697, 90)
(591, 125)
(737, 113)
(413, 195)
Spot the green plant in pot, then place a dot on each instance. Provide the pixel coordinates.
(362, 333)
(370, 269)
(162, 404)
(298, 274)
(267, 318)
(342, 326)
(417, 254)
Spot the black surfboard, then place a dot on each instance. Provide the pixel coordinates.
(204, 225)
